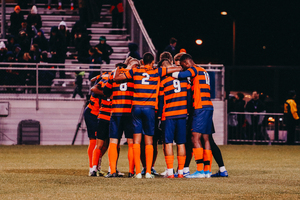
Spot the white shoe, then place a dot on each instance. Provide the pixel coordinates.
(164, 173)
(149, 175)
(138, 176)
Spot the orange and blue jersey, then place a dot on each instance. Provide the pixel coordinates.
(122, 95)
(94, 100)
(146, 85)
(200, 86)
(105, 109)
(173, 98)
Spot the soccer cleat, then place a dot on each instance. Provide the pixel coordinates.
(49, 7)
(149, 175)
(144, 171)
(72, 7)
(139, 175)
(164, 173)
(154, 172)
(180, 176)
(130, 175)
(169, 176)
(186, 173)
(93, 173)
(197, 174)
(207, 174)
(114, 175)
(220, 174)
(120, 174)
(101, 173)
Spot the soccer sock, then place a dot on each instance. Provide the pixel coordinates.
(181, 161)
(198, 153)
(216, 151)
(186, 169)
(207, 158)
(96, 155)
(90, 150)
(149, 157)
(130, 158)
(222, 169)
(137, 154)
(169, 162)
(112, 156)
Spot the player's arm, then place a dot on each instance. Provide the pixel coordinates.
(119, 77)
(97, 89)
(169, 68)
(93, 80)
(185, 74)
(108, 88)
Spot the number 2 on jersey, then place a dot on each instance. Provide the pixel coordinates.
(145, 80)
(176, 84)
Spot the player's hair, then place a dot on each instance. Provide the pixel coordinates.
(134, 60)
(291, 94)
(178, 56)
(166, 55)
(148, 58)
(173, 40)
(121, 65)
(186, 57)
(163, 63)
(128, 60)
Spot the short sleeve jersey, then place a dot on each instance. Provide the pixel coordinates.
(175, 97)
(105, 108)
(122, 95)
(94, 101)
(146, 85)
(200, 88)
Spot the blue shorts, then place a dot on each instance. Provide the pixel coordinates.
(91, 123)
(202, 121)
(175, 129)
(118, 124)
(143, 120)
(103, 129)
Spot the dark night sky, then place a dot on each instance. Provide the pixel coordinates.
(274, 24)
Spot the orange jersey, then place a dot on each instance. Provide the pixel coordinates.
(174, 94)
(122, 95)
(146, 84)
(94, 101)
(105, 109)
(200, 87)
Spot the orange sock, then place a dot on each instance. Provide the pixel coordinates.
(96, 156)
(169, 161)
(149, 157)
(136, 155)
(90, 151)
(112, 157)
(198, 153)
(207, 158)
(130, 158)
(181, 162)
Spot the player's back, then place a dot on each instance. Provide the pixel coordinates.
(105, 108)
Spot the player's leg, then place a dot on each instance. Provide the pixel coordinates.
(127, 120)
(188, 147)
(216, 152)
(96, 156)
(207, 155)
(143, 156)
(169, 130)
(180, 139)
(137, 137)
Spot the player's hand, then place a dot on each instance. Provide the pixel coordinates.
(159, 126)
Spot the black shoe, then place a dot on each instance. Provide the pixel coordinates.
(93, 173)
(114, 175)
(130, 175)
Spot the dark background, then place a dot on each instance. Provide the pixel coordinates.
(273, 24)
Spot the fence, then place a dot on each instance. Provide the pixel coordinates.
(248, 127)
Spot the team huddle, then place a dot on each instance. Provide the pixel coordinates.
(146, 102)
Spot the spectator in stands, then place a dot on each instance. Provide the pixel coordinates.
(133, 51)
(94, 59)
(34, 22)
(16, 18)
(78, 28)
(116, 11)
(104, 49)
(60, 4)
(171, 47)
(29, 75)
(240, 107)
(45, 77)
(3, 51)
(57, 48)
(62, 27)
(291, 117)
(10, 43)
(10, 77)
(24, 41)
(41, 40)
(23, 27)
(78, 82)
(82, 46)
(17, 52)
(35, 53)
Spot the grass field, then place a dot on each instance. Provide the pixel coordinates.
(60, 172)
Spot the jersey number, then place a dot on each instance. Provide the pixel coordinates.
(176, 84)
(207, 79)
(144, 80)
(123, 87)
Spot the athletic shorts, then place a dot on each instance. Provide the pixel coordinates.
(103, 129)
(202, 121)
(143, 120)
(120, 124)
(91, 123)
(175, 129)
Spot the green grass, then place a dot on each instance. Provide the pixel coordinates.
(60, 172)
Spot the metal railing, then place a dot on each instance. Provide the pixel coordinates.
(136, 28)
(252, 128)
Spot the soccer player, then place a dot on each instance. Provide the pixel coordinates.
(173, 99)
(202, 114)
(146, 86)
(121, 117)
(102, 126)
